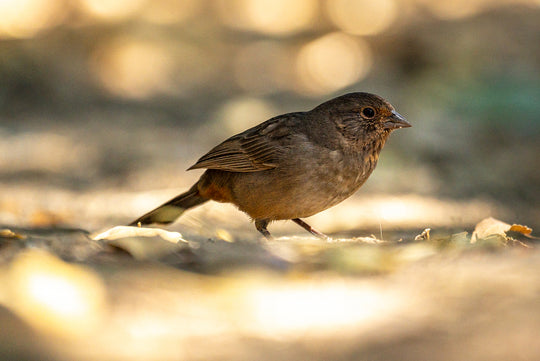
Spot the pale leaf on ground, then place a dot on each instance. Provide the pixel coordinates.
(491, 227)
(143, 243)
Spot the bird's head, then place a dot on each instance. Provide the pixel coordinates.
(362, 115)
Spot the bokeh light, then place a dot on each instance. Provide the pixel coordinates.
(25, 18)
(403, 211)
(134, 68)
(55, 296)
(244, 112)
(362, 17)
(318, 308)
(111, 10)
(274, 17)
(332, 62)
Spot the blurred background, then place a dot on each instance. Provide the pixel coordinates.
(104, 104)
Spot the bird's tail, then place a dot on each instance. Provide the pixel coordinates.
(171, 210)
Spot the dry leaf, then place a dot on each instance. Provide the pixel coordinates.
(491, 226)
(143, 243)
(424, 235)
(524, 230)
(8, 233)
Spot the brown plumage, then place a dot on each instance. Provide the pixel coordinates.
(294, 165)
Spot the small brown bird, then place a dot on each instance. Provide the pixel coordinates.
(294, 165)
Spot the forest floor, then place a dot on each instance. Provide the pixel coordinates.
(150, 294)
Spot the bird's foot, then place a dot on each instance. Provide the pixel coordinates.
(311, 230)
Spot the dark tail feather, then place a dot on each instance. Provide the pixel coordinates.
(170, 211)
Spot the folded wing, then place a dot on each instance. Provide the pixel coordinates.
(254, 150)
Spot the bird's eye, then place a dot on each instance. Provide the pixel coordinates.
(368, 112)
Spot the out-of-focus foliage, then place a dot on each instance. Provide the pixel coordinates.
(66, 295)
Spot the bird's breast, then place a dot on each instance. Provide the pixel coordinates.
(299, 186)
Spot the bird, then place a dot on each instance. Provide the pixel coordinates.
(291, 166)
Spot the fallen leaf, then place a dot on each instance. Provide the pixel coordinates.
(126, 231)
(8, 233)
(424, 235)
(143, 243)
(524, 230)
(493, 227)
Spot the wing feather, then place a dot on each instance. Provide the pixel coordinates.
(254, 150)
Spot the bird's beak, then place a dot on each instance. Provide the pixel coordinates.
(396, 121)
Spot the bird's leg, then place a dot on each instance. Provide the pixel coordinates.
(310, 229)
(261, 225)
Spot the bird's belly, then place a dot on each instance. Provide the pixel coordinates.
(284, 194)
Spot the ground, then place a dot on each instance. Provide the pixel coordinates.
(149, 294)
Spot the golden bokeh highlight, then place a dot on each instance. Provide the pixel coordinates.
(244, 112)
(54, 296)
(111, 10)
(301, 308)
(273, 17)
(134, 68)
(362, 17)
(332, 62)
(26, 18)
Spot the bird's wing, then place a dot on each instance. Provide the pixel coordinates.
(254, 150)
